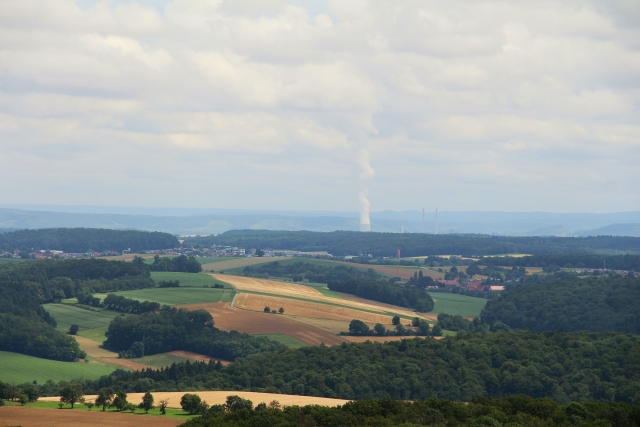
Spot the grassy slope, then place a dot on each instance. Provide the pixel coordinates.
(19, 368)
(187, 279)
(455, 304)
(67, 315)
(160, 360)
(95, 334)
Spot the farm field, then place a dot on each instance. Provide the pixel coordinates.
(160, 360)
(176, 296)
(455, 304)
(79, 417)
(219, 397)
(284, 339)
(239, 262)
(10, 260)
(229, 318)
(95, 334)
(212, 259)
(86, 318)
(195, 280)
(19, 368)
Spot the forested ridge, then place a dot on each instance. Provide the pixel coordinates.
(171, 329)
(413, 244)
(26, 327)
(559, 365)
(514, 411)
(614, 262)
(573, 304)
(81, 240)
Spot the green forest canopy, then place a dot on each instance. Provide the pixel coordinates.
(341, 243)
(81, 240)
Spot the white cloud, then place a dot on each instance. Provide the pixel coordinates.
(467, 105)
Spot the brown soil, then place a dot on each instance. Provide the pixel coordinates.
(307, 309)
(197, 357)
(41, 417)
(218, 397)
(229, 318)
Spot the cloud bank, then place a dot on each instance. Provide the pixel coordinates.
(483, 105)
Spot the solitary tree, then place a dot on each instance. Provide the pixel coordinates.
(105, 397)
(23, 399)
(395, 320)
(281, 310)
(236, 403)
(162, 405)
(380, 330)
(358, 327)
(120, 401)
(190, 403)
(267, 309)
(71, 393)
(89, 405)
(73, 329)
(274, 404)
(147, 402)
(415, 321)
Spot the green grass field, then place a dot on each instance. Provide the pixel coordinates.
(10, 260)
(284, 339)
(19, 368)
(95, 334)
(171, 413)
(210, 259)
(187, 279)
(67, 315)
(176, 296)
(455, 304)
(160, 360)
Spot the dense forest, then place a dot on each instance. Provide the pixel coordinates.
(385, 244)
(516, 410)
(27, 328)
(614, 262)
(180, 263)
(171, 329)
(81, 240)
(574, 304)
(385, 291)
(562, 366)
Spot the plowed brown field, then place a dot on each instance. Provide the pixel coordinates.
(218, 397)
(228, 318)
(40, 417)
(241, 262)
(308, 309)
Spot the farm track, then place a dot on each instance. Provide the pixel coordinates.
(42, 417)
(229, 318)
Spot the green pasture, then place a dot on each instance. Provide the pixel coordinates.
(210, 259)
(290, 342)
(10, 260)
(455, 304)
(19, 368)
(171, 413)
(160, 360)
(95, 334)
(67, 315)
(191, 280)
(176, 296)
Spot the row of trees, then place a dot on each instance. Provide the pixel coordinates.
(169, 329)
(81, 240)
(180, 263)
(301, 270)
(615, 262)
(419, 328)
(558, 365)
(385, 291)
(412, 244)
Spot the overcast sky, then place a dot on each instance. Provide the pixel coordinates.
(460, 105)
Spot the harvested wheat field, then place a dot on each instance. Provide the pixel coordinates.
(307, 309)
(307, 292)
(39, 417)
(237, 263)
(229, 318)
(331, 326)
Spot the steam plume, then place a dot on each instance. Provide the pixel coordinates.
(366, 172)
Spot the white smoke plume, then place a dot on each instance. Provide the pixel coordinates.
(366, 173)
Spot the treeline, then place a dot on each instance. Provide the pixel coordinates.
(170, 329)
(34, 337)
(385, 244)
(516, 410)
(129, 305)
(180, 263)
(614, 262)
(384, 291)
(81, 240)
(591, 304)
(562, 366)
(300, 270)
(24, 287)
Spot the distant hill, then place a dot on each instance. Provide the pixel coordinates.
(85, 239)
(632, 229)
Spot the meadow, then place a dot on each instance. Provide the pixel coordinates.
(160, 360)
(86, 318)
(19, 368)
(177, 296)
(284, 339)
(191, 280)
(455, 304)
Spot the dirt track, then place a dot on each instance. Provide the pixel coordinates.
(228, 318)
(40, 417)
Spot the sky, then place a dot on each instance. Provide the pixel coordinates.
(317, 105)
